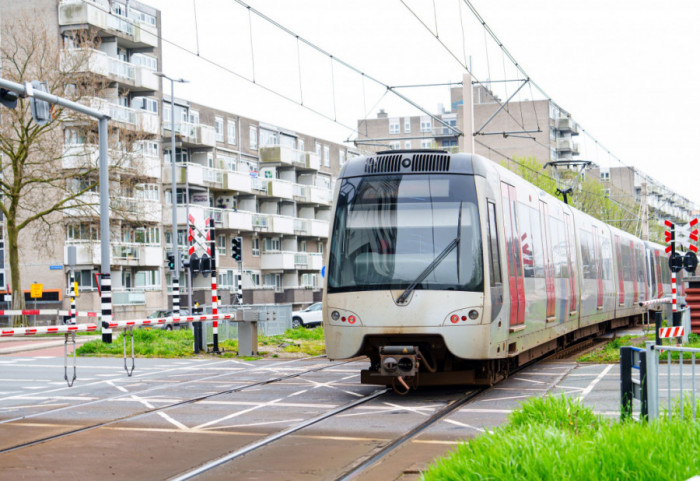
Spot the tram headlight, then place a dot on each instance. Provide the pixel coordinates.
(335, 315)
(342, 317)
(473, 314)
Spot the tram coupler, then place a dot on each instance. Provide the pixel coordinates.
(398, 361)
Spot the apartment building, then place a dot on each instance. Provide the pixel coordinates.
(538, 129)
(626, 184)
(269, 186)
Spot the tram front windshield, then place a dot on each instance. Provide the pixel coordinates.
(390, 232)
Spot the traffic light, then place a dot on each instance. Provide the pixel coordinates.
(205, 265)
(41, 109)
(194, 264)
(171, 261)
(236, 248)
(8, 98)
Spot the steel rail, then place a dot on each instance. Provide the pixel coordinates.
(274, 437)
(392, 445)
(159, 409)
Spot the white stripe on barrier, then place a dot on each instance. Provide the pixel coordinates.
(46, 312)
(665, 300)
(31, 331)
(167, 320)
(666, 332)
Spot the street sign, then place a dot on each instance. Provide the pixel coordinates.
(36, 290)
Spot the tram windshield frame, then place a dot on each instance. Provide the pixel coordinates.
(388, 229)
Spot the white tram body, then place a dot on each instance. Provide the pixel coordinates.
(450, 269)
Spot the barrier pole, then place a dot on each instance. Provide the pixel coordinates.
(214, 310)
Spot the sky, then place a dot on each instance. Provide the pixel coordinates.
(625, 70)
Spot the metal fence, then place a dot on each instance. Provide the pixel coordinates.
(677, 394)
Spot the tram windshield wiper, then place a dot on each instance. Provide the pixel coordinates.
(440, 257)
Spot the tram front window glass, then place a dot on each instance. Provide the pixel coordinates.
(388, 230)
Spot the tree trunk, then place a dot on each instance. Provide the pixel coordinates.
(16, 279)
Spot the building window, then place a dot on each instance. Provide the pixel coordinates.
(394, 126)
(221, 245)
(605, 176)
(426, 144)
(407, 125)
(256, 247)
(300, 144)
(253, 137)
(320, 247)
(395, 145)
(271, 244)
(231, 131)
(302, 246)
(407, 145)
(326, 156)
(341, 156)
(219, 125)
(268, 137)
(426, 124)
(318, 149)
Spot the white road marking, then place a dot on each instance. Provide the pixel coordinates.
(161, 414)
(464, 425)
(111, 383)
(239, 413)
(595, 381)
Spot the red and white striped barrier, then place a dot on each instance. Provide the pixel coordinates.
(665, 300)
(46, 312)
(166, 320)
(666, 332)
(31, 331)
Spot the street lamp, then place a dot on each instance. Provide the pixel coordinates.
(176, 253)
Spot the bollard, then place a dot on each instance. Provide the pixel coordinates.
(657, 325)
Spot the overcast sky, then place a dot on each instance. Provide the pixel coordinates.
(625, 70)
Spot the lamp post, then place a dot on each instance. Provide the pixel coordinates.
(176, 253)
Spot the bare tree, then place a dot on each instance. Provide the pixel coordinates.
(42, 173)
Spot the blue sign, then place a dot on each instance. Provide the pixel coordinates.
(56, 268)
(323, 271)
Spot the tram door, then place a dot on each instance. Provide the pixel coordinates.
(515, 264)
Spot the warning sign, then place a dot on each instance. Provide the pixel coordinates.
(36, 291)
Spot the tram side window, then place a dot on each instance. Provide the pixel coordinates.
(588, 256)
(494, 258)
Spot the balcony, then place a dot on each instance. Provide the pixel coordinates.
(238, 181)
(87, 156)
(133, 33)
(137, 77)
(280, 154)
(138, 120)
(280, 189)
(277, 261)
(308, 261)
(136, 209)
(567, 125)
(310, 194)
(128, 297)
(311, 227)
(192, 135)
(567, 146)
(88, 252)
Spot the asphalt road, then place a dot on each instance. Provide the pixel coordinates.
(35, 403)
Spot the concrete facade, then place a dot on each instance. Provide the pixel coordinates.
(269, 185)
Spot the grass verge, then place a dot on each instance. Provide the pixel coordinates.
(610, 352)
(559, 438)
(180, 343)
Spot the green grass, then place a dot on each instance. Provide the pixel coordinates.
(147, 343)
(180, 343)
(558, 438)
(610, 352)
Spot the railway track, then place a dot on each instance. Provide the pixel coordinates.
(149, 411)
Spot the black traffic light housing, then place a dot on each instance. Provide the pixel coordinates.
(8, 98)
(171, 261)
(205, 265)
(236, 248)
(41, 109)
(194, 265)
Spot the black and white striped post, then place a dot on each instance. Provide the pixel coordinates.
(239, 288)
(72, 297)
(106, 290)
